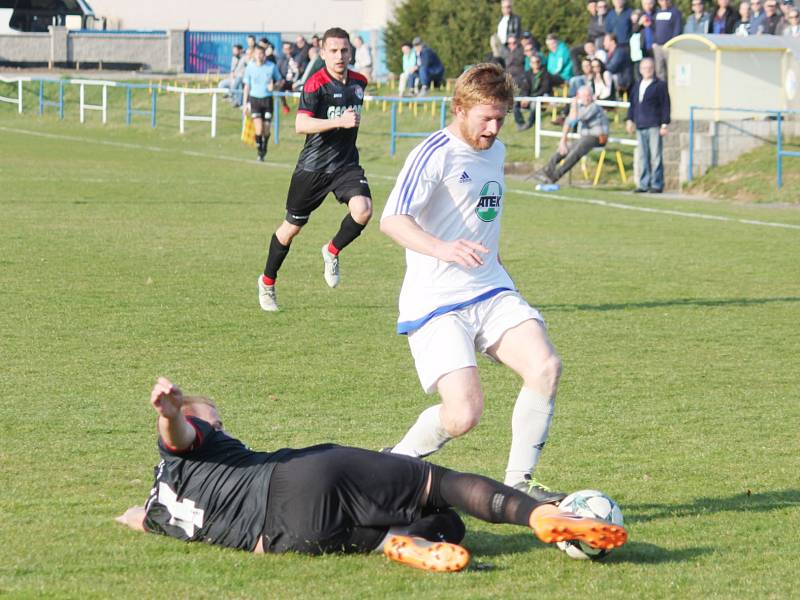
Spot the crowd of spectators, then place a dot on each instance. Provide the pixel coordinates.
(296, 62)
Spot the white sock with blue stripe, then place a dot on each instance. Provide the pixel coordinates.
(426, 436)
(530, 424)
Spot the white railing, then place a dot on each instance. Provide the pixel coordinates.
(541, 132)
(84, 106)
(18, 99)
(203, 118)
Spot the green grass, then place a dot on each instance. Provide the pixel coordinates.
(126, 253)
(752, 177)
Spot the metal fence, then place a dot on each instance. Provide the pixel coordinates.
(210, 51)
(779, 117)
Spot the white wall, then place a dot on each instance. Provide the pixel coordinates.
(309, 16)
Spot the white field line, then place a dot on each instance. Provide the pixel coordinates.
(544, 196)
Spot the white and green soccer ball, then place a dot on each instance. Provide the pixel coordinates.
(594, 504)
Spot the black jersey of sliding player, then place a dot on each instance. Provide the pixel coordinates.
(215, 492)
(327, 98)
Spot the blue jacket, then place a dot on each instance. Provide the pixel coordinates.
(619, 64)
(620, 24)
(431, 61)
(653, 110)
(668, 23)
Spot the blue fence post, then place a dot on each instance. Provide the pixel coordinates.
(61, 99)
(128, 105)
(443, 114)
(155, 95)
(780, 152)
(691, 143)
(41, 97)
(393, 134)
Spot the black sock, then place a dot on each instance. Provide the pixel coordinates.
(480, 497)
(348, 231)
(275, 258)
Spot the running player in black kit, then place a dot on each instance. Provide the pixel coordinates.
(329, 115)
(209, 487)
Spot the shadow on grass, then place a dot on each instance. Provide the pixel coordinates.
(483, 545)
(744, 502)
(677, 302)
(649, 554)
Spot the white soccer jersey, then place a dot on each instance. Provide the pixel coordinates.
(453, 192)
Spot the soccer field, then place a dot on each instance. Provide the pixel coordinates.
(127, 253)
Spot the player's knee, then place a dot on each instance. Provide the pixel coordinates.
(544, 374)
(361, 211)
(287, 232)
(458, 422)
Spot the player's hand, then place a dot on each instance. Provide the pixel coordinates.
(463, 252)
(563, 149)
(630, 126)
(166, 398)
(246, 108)
(349, 119)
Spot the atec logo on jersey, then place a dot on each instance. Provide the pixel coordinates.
(334, 112)
(359, 93)
(489, 202)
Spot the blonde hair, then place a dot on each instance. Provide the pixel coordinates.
(189, 401)
(485, 83)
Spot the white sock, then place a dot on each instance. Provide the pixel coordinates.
(426, 436)
(530, 423)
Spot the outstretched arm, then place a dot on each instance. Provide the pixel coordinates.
(404, 230)
(133, 518)
(175, 431)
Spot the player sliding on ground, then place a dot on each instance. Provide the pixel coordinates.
(457, 297)
(209, 487)
(329, 115)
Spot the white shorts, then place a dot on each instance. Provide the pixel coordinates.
(449, 342)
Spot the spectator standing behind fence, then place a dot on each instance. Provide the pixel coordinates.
(515, 60)
(668, 24)
(290, 72)
(251, 45)
(578, 81)
(315, 63)
(601, 82)
(644, 27)
(536, 82)
(430, 69)
(559, 64)
(618, 22)
(724, 18)
(648, 115)
(363, 57)
(300, 55)
(408, 77)
(699, 19)
(509, 24)
(592, 125)
(595, 29)
(234, 82)
(744, 25)
(773, 19)
(635, 46)
(793, 27)
(619, 63)
(756, 17)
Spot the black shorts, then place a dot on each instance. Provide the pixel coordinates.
(309, 188)
(333, 498)
(260, 108)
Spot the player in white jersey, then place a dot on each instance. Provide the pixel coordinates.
(457, 297)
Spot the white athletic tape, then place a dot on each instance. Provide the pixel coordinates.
(544, 196)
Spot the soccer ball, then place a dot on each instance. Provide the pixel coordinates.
(589, 503)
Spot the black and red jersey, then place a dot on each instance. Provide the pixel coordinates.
(327, 98)
(214, 492)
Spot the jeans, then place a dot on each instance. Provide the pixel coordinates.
(520, 119)
(429, 77)
(577, 150)
(236, 87)
(651, 164)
